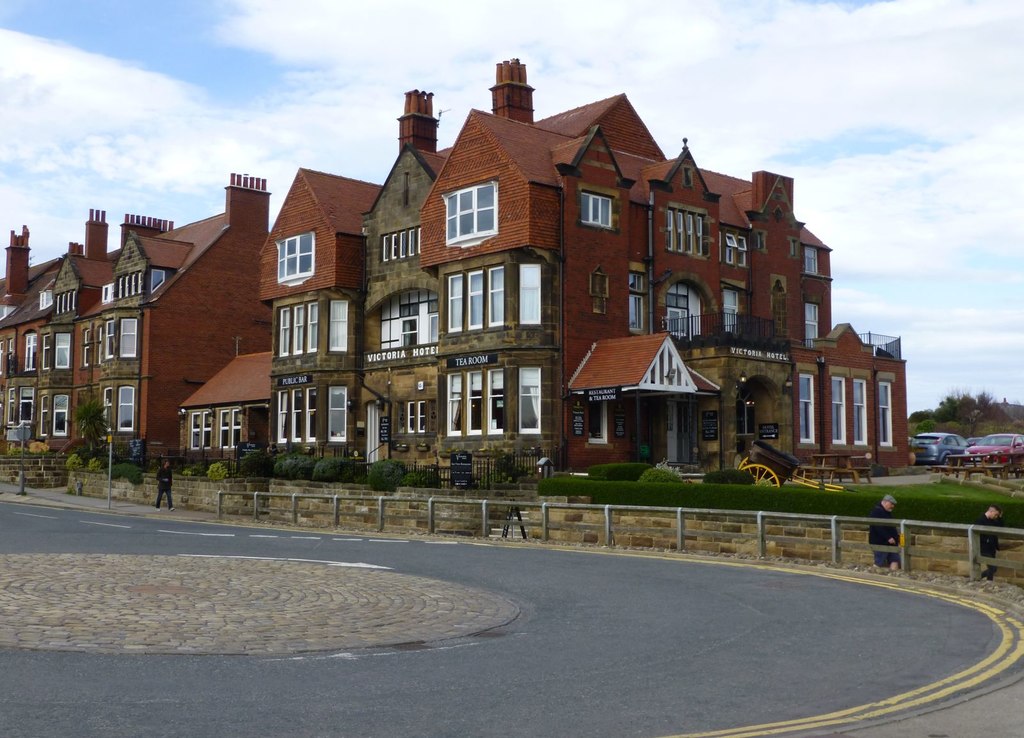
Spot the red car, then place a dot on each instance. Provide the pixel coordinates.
(999, 443)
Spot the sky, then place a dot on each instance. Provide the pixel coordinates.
(900, 121)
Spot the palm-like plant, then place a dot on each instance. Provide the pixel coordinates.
(91, 422)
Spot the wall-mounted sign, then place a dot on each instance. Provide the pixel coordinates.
(748, 353)
(709, 425)
(462, 469)
(578, 425)
(461, 362)
(384, 429)
(602, 394)
(294, 380)
(413, 352)
(620, 425)
(767, 430)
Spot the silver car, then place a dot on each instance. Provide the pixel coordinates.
(935, 448)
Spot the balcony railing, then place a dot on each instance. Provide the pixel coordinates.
(721, 325)
(887, 346)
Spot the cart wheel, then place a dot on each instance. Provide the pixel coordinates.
(763, 476)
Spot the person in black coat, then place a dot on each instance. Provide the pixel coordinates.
(163, 485)
(990, 541)
(884, 535)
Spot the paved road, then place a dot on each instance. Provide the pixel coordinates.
(128, 624)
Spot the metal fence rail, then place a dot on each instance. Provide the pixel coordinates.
(630, 523)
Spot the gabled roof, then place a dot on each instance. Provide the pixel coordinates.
(576, 122)
(246, 379)
(39, 277)
(528, 146)
(648, 362)
(94, 272)
(341, 199)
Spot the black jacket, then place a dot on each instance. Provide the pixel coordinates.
(989, 541)
(879, 535)
(163, 478)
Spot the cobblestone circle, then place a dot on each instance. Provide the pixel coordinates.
(223, 605)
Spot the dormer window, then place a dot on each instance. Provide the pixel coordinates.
(295, 258)
(472, 213)
(810, 260)
(108, 293)
(596, 210)
(45, 299)
(735, 249)
(156, 278)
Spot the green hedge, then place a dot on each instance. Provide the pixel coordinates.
(949, 503)
(625, 472)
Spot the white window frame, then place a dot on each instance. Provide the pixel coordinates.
(810, 323)
(810, 260)
(282, 416)
(298, 406)
(860, 412)
(637, 283)
(156, 278)
(730, 309)
(224, 428)
(62, 351)
(838, 391)
(310, 415)
(597, 432)
(30, 351)
(338, 328)
(595, 210)
(128, 345)
(296, 258)
(45, 299)
(108, 293)
(111, 335)
(495, 401)
(313, 327)
(475, 403)
(47, 351)
(26, 401)
(455, 302)
(475, 300)
(529, 294)
(125, 408)
(44, 415)
(455, 405)
(337, 414)
(805, 389)
(467, 221)
(530, 392)
(61, 405)
(416, 416)
(195, 430)
(298, 328)
(496, 296)
(885, 414)
(284, 331)
(108, 405)
(86, 346)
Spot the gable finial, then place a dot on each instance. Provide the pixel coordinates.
(685, 139)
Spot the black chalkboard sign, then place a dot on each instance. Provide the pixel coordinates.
(578, 426)
(620, 425)
(384, 431)
(462, 469)
(768, 430)
(137, 451)
(246, 447)
(709, 425)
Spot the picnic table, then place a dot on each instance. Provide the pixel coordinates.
(837, 465)
(999, 464)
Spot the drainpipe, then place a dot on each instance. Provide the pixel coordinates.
(821, 403)
(650, 262)
(563, 395)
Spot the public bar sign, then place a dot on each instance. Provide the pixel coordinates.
(294, 380)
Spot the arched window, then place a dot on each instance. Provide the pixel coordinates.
(682, 310)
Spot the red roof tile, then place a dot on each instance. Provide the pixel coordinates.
(342, 200)
(245, 379)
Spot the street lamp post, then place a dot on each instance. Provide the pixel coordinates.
(110, 470)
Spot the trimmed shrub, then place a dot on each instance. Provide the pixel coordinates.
(729, 476)
(429, 478)
(256, 463)
(96, 464)
(218, 470)
(193, 470)
(385, 475)
(295, 466)
(625, 472)
(333, 469)
(74, 462)
(126, 471)
(659, 476)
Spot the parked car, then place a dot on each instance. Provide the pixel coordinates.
(999, 443)
(974, 440)
(935, 448)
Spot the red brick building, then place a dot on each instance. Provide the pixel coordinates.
(139, 327)
(560, 285)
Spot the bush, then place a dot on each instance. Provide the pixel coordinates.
(385, 475)
(217, 471)
(333, 469)
(429, 478)
(193, 470)
(256, 463)
(126, 471)
(95, 464)
(659, 476)
(74, 462)
(729, 476)
(625, 472)
(295, 466)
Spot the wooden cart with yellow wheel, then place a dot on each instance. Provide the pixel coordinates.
(771, 467)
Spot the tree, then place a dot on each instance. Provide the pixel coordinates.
(91, 422)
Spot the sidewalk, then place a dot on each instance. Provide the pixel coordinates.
(59, 497)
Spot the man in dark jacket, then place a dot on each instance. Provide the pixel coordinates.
(990, 541)
(163, 485)
(884, 535)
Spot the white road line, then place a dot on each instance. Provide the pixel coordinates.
(33, 515)
(441, 543)
(385, 540)
(349, 540)
(261, 535)
(193, 533)
(348, 564)
(305, 538)
(105, 525)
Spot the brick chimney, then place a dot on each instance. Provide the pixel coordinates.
(418, 126)
(143, 225)
(75, 249)
(247, 203)
(96, 230)
(17, 264)
(511, 97)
